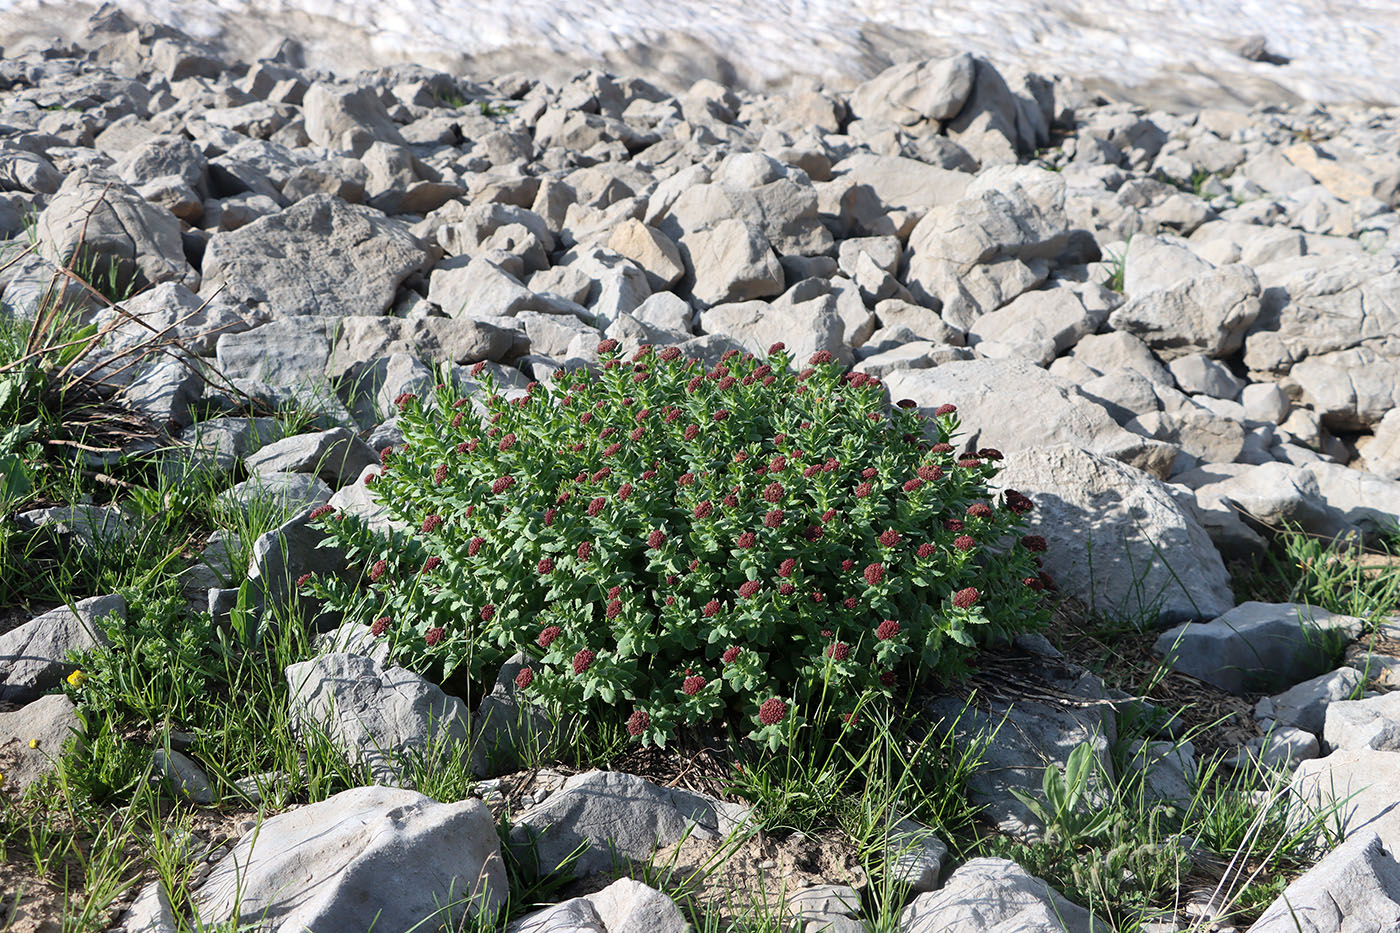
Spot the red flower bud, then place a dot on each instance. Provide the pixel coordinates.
(887, 630)
(433, 636)
(966, 598)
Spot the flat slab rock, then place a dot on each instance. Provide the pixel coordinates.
(1256, 646)
(617, 815)
(993, 894)
(367, 851)
(625, 906)
(1356, 887)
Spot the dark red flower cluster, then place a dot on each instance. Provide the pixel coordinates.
(547, 635)
(969, 463)
(786, 568)
(488, 612)
(711, 609)
(839, 651)
(585, 548)
(703, 509)
(874, 573)
(773, 518)
(692, 685)
(607, 346)
(584, 660)
(597, 505)
(432, 523)
(546, 565)
(964, 542)
(979, 510)
(966, 598)
(912, 484)
(685, 479)
(639, 721)
(1017, 502)
(778, 347)
(524, 678)
(887, 630)
(773, 492)
(380, 626)
(941, 449)
(863, 490)
(304, 579)
(746, 540)
(953, 524)
(623, 492)
(431, 564)
(614, 608)
(930, 472)
(720, 415)
(501, 484)
(772, 712)
(889, 537)
(670, 353)
(749, 589)
(1033, 543)
(377, 571)
(731, 654)
(474, 545)
(434, 635)
(820, 357)
(926, 550)
(656, 539)
(945, 409)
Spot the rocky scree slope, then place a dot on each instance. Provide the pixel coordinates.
(1179, 328)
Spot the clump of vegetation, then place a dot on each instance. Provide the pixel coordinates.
(685, 544)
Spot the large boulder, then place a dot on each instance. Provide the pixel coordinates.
(32, 739)
(1118, 539)
(362, 339)
(990, 396)
(336, 456)
(110, 224)
(369, 854)
(783, 209)
(1258, 646)
(320, 256)
(732, 261)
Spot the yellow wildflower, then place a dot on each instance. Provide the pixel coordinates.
(77, 678)
(33, 743)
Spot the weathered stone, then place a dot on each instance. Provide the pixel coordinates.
(1306, 704)
(625, 906)
(183, 776)
(388, 720)
(368, 852)
(1208, 313)
(988, 393)
(113, 226)
(651, 250)
(805, 318)
(1361, 783)
(617, 815)
(88, 525)
(34, 656)
(1198, 374)
(361, 339)
(1351, 390)
(32, 739)
(289, 491)
(784, 210)
(336, 456)
(1196, 432)
(1010, 214)
(1038, 326)
(1168, 769)
(347, 119)
(285, 352)
(987, 894)
(1355, 887)
(347, 260)
(916, 92)
(1322, 498)
(1258, 645)
(1118, 540)
(732, 261)
(1372, 723)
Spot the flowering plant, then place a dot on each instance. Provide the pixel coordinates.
(677, 544)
